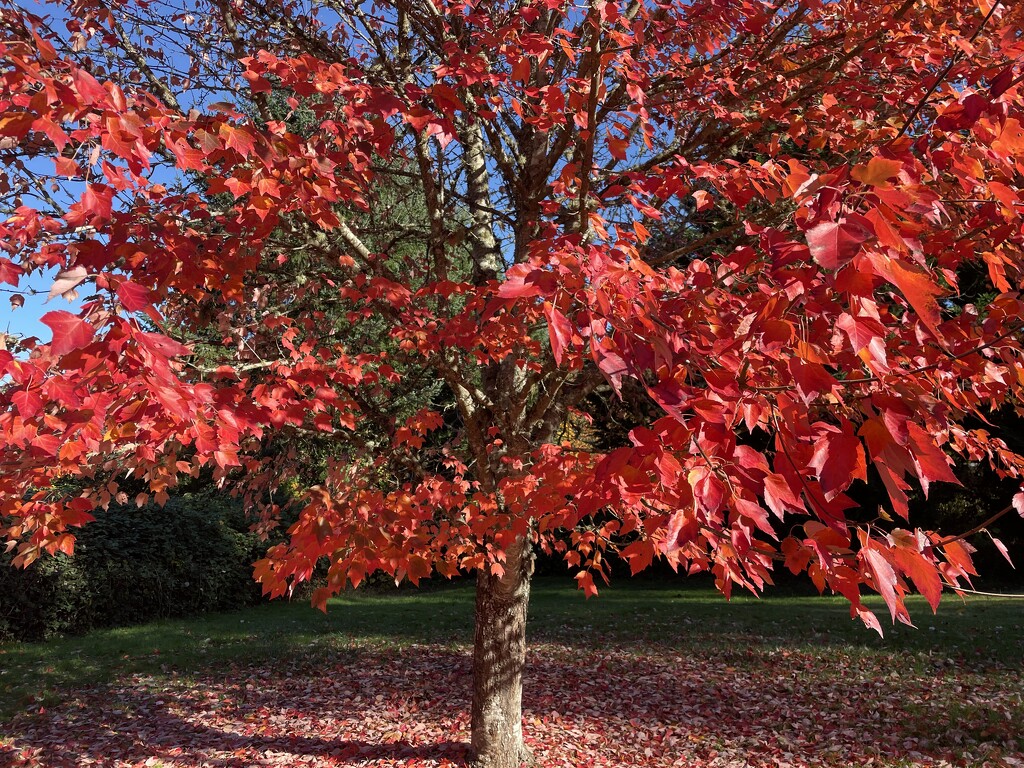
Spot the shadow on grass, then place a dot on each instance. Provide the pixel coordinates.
(215, 746)
(630, 615)
(601, 707)
(373, 708)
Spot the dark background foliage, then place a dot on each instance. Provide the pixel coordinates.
(133, 564)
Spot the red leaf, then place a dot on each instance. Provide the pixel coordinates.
(27, 402)
(89, 87)
(77, 511)
(586, 583)
(613, 367)
(239, 139)
(70, 332)
(1001, 82)
(869, 619)
(930, 462)
(833, 244)
(418, 568)
(916, 287)
(704, 199)
(133, 297)
(811, 379)
(517, 285)
(708, 488)
(639, 555)
(886, 231)
(319, 598)
(895, 486)
(560, 330)
(958, 554)
(797, 554)
(922, 573)
(779, 496)
(864, 333)
(226, 458)
(521, 69)
(838, 459)
(885, 582)
(446, 98)
(65, 166)
(755, 513)
(47, 442)
(16, 124)
(10, 272)
(876, 435)
(66, 544)
(162, 346)
(97, 201)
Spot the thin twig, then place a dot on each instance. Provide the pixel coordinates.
(976, 529)
(954, 60)
(933, 366)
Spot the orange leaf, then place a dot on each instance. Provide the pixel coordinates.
(1011, 139)
(915, 285)
(877, 171)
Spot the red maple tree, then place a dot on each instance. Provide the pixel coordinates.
(842, 179)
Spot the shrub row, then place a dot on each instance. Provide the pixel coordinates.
(132, 565)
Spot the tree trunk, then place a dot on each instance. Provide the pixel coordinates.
(499, 655)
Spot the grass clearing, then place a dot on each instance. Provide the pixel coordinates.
(954, 683)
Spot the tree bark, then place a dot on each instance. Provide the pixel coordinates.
(499, 655)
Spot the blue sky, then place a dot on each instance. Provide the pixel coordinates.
(24, 321)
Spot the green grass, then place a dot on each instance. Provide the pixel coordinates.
(981, 632)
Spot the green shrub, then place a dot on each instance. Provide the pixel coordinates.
(45, 599)
(131, 565)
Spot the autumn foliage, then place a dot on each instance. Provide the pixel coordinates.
(858, 312)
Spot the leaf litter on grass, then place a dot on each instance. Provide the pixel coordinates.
(384, 707)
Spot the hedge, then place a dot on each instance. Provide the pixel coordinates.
(132, 565)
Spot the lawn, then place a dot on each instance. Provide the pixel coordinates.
(649, 673)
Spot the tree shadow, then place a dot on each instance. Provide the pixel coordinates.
(609, 707)
(376, 710)
(659, 617)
